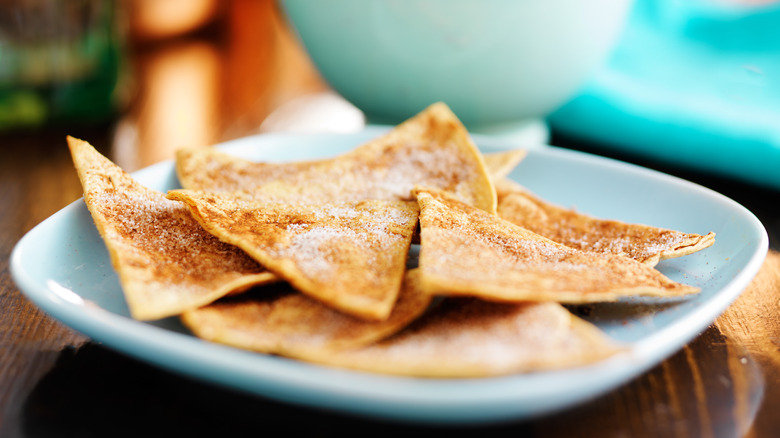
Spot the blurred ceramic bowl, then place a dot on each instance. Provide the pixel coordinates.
(491, 61)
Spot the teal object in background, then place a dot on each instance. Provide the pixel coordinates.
(692, 83)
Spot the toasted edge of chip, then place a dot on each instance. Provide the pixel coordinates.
(644, 243)
(465, 251)
(434, 137)
(155, 288)
(439, 120)
(470, 338)
(294, 325)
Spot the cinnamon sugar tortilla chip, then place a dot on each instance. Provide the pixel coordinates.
(432, 148)
(291, 324)
(166, 262)
(350, 255)
(501, 164)
(465, 251)
(643, 243)
(465, 338)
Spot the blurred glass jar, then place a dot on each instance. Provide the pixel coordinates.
(60, 61)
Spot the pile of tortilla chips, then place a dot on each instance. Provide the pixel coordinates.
(310, 260)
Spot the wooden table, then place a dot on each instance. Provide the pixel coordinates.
(233, 79)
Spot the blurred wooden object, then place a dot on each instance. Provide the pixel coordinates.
(206, 88)
(150, 20)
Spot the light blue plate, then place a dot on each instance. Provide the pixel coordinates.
(63, 266)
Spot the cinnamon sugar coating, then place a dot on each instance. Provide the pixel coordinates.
(350, 255)
(289, 323)
(166, 262)
(465, 251)
(470, 338)
(338, 232)
(432, 148)
(640, 242)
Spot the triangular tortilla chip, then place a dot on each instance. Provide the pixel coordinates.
(465, 251)
(501, 164)
(166, 262)
(464, 337)
(432, 148)
(351, 256)
(291, 324)
(643, 243)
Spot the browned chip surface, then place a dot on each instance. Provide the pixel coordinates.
(465, 251)
(349, 255)
(640, 242)
(294, 325)
(432, 148)
(464, 337)
(166, 262)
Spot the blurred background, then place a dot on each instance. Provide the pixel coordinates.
(157, 74)
(694, 83)
(691, 83)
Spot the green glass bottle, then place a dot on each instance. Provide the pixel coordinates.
(60, 61)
